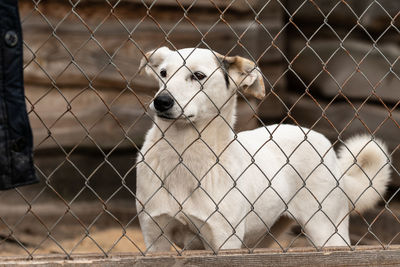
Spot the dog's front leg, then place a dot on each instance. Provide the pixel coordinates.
(218, 234)
(158, 243)
(155, 232)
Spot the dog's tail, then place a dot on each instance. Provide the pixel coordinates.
(366, 171)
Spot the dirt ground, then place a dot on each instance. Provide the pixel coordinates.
(84, 228)
(48, 228)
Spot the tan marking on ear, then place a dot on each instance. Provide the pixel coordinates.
(258, 94)
(230, 60)
(245, 67)
(262, 94)
(238, 62)
(242, 64)
(239, 70)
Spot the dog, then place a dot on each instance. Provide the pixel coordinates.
(202, 186)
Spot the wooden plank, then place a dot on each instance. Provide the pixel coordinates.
(222, 4)
(69, 117)
(373, 256)
(272, 107)
(358, 70)
(93, 13)
(233, 6)
(104, 175)
(370, 118)
(373, 16)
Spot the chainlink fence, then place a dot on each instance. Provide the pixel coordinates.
(330, 66)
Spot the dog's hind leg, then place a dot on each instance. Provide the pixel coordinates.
(185, 238)
(279, 228)
(324, 231)
(193, 242)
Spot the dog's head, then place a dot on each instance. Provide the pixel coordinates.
(197, 84)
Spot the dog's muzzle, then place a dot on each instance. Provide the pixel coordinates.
(163, 102)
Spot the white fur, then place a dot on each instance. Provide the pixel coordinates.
(201, 186)
(366, 178)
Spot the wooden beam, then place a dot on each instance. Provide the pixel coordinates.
(362, 256)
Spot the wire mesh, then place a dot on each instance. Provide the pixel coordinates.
(330, 66)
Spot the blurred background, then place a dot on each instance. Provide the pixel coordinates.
(328, 65)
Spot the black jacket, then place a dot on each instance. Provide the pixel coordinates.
(16, 164)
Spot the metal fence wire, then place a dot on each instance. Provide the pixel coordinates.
(330, 66)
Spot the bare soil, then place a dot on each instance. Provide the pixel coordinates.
(88, 227)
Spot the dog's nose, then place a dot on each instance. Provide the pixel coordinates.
(163, 102)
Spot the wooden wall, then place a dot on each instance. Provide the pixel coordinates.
(87, 100)
(344, 55)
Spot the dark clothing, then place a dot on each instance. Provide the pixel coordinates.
(16, 164)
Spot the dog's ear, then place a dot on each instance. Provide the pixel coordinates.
(152, 60)
(245, 74)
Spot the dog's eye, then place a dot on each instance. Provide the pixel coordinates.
(163, 73)
(198, 75)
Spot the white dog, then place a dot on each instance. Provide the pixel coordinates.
(200, 185)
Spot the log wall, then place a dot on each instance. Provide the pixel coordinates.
(85, 94)
(344, 58)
